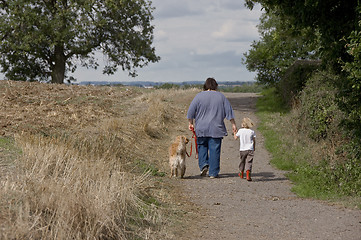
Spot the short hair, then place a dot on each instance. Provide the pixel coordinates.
(210, 84)
(247, 123)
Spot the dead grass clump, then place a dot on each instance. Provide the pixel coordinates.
(157, 118)
(161, 111)
(61, 194)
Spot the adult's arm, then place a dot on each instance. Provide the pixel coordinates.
(234, 126)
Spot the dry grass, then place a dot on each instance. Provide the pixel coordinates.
(78, 176)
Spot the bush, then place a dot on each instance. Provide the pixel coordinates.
(319, 114)
(295, 78)
(328, 168)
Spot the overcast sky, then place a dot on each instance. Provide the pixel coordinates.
(195, 40)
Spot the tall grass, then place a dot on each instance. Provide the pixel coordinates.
(87, 183)
(76, 187)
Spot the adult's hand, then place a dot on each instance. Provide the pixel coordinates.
(190, 126)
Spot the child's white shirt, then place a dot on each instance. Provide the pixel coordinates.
(246, 136)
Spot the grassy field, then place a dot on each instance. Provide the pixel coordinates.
(86, 162)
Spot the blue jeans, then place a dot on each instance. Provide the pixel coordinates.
(209, 154)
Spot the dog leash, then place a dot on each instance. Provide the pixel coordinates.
(196, 145)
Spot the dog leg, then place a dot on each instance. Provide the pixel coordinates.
(171, 172)
(183, 171)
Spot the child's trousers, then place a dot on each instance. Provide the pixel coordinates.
(246, 160)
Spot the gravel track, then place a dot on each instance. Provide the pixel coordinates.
(233, 208)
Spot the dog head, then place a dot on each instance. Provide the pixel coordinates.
(183, 139)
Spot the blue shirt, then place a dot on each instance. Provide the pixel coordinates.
(209, 109)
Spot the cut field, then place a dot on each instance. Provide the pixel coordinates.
(81, 162)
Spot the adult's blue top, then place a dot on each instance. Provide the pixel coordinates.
(209, 109)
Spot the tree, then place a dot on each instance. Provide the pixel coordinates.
(333, 19)
(337, 22)
(350, 97)
(46, 39)
(280, 46)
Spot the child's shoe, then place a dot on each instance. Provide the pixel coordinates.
(249, 176)
(240, 174)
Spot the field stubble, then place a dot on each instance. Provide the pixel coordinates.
(81, 162)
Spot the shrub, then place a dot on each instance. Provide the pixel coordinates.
(327, 168)
(295, 78)
(319, 114)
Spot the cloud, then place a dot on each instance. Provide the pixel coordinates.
(198, 39)
(218, 60)
(226, 29)
(174, 9)
(160, 36)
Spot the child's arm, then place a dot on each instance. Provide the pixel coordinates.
(235, 135)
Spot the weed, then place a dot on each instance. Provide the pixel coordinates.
(149, 167)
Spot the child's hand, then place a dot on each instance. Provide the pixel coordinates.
(235, 137)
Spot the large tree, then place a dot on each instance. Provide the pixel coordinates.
(333, 19)
(46, 39)
(280, 45)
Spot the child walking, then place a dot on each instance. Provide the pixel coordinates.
(247, 139)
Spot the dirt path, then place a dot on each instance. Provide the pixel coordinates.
(265, 208)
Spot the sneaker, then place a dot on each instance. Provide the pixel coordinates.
(204, 171)
(212, 177)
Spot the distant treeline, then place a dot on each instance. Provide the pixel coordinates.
(154, 84)
(223, 86)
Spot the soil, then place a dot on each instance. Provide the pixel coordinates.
(233, 208)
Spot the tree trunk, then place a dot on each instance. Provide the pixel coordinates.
(58, 71)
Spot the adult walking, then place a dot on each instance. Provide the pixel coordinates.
(209, 108)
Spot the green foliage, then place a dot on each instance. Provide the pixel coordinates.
(144, 166)
(319, 114)
(8, 151)
(295, 78)
(350, 97)
(333, 20)
(245, 88)
(315, 178)
(168, 86)
(327, 181)
(280, 45)
(275, 145)
(178, 86)
(48, 39)
(271, 102)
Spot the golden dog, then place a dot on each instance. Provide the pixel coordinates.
(177, 156)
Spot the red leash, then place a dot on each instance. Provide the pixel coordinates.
(195, 141)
